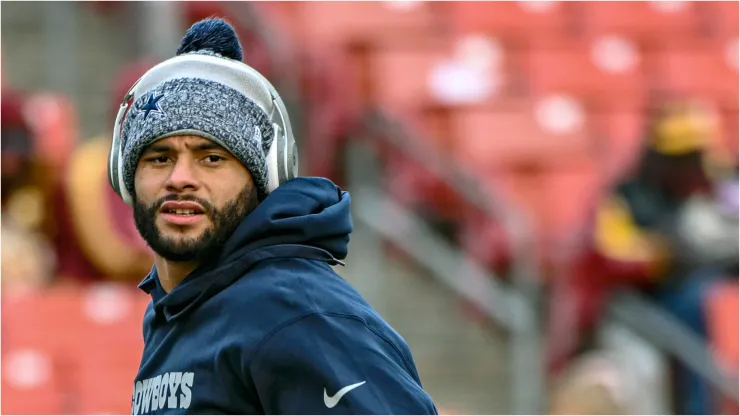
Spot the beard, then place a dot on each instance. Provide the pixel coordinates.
(209, 243)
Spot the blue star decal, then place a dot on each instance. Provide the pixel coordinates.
(152, 104)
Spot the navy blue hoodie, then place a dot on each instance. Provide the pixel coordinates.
(270, 328)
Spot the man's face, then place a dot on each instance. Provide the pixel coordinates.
(191, 194)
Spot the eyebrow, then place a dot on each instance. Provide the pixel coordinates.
(165, 147)
(158, 148)
(207, 146)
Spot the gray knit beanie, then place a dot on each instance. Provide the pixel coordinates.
(200, 107)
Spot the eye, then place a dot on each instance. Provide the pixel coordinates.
(214, 159)
(158, 160)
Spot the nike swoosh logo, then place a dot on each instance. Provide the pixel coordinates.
(332, 401)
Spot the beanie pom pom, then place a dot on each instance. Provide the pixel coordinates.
(212, 34)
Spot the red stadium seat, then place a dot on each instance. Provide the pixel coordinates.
(401, 76)
(708, 74)
(34, 320)
(722, 313)
(543, 133)
(32, 382)
(730, 127)
(720, 18)
(606, 73)
(329, 23)
(517, 22)
(464, 69)
(721, 306)
(555, 202)
(621, 135)
(71, 350)
(34, 348)
(113, 319)
(569, 195)
(650, 23)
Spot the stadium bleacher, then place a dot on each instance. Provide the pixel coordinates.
(546, 101)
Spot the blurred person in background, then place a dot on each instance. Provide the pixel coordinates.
(27, 258)
(667, 228)
(95, 237)
(592, 385)
(247, 315)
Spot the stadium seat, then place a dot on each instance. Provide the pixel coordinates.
(721, 306)
(707, 74)
(401, 75)
(34, 349)
(53, 371)
(722, 312)
(517, 22)
(731, 127)
(606, 73)
(620, 136)
(569, 195)
(329, 23)
(449, 71)
(720, 18)
(555, 202)
(650, 23)
(547, 132)
(32, 383)
(34, 320)
(113, 318)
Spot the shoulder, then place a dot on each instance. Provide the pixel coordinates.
(290, 292)
(336, 335)
(296, 287)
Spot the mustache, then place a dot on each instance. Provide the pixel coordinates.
(207, 207)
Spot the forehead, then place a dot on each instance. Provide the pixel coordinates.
(183, 143)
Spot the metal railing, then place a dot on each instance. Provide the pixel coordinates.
(670, 336)
(513, 306)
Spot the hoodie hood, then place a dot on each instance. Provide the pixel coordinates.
(303, 218)
(307, 211)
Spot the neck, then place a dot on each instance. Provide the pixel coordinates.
(172, 273)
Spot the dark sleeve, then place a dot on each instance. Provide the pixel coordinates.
(335, 364)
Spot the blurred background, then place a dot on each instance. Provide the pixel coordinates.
(545, 193)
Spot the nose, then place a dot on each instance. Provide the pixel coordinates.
(182, 177)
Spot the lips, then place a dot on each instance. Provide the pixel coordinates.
(181, 208)
(181, 212)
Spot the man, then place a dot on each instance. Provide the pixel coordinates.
(27, 259)
(643, 235)
(247, 315)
